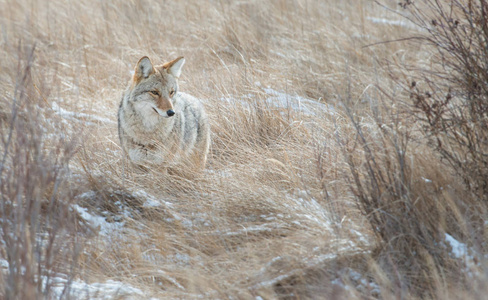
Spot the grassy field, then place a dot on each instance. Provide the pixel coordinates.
(328, 175)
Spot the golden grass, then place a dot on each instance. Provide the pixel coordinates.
(273, 214)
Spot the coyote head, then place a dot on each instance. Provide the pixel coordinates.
(153, 87)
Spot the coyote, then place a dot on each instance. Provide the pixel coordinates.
(158, 125)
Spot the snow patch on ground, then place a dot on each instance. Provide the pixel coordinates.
(467, 255)
(282, 100)
(98, 222)
(400, 23)
(75, 116)
(4, 264)
(349, 277)
(109, 289)
(459, 250)
(60, 286)
(150, 200)
(297, 103)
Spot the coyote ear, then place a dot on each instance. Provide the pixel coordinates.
(144, 68)
(174, 67)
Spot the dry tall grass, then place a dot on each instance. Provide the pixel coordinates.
(318, 170)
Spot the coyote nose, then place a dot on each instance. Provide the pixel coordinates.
(170, 113)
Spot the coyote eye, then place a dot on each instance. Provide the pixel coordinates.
(172, 93)
(155, 93)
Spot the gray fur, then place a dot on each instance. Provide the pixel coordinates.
(147, 134)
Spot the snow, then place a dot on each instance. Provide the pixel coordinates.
(87, 195)
(459, 250)
(79, 289)
(401, 23)
(467, 255)
(283, 100)
(355, 279)
(4, 264)
(76, 115)
(297, 103)
(150, 201)
(109, 289)
(99, 222)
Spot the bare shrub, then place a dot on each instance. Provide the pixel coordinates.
(451, 94)
(37, 226)
(388, 163)
(382, 179)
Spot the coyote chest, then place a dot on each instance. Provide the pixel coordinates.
(159, 125)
